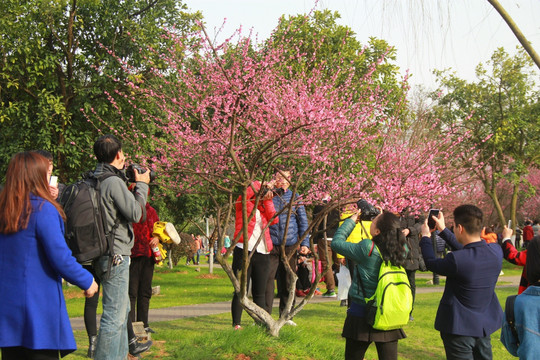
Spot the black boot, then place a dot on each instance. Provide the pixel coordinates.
(135, 347)
(92, 341)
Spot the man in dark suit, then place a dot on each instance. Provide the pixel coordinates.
(469, 311)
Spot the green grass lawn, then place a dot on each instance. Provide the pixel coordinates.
(180, 286)
(317, 336)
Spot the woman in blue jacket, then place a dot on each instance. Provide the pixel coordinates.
(34, 258)
(526, 311)
(387, 235)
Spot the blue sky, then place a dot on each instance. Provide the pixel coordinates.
(428, 34)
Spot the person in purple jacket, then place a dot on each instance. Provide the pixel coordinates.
(34, 258)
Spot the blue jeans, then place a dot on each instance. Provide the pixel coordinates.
(112, 343)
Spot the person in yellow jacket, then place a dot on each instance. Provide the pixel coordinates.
(360, 232)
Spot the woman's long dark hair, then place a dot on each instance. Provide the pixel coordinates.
(533, 261)
(390, 240)
(26, 173)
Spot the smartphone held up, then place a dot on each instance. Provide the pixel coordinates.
(431, 221)
(53, 181)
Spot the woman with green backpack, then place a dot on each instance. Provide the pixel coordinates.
(365, 259)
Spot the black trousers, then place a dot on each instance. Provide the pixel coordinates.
(141, 272)
(90, 306)
(278, 271)
(355, 350)
(303, 282)
(257, 272)
(22, 353)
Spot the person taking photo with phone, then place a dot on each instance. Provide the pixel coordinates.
(55, 187)
(469, 311)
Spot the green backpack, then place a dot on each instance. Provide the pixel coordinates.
(390, 306)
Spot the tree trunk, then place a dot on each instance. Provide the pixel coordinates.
(513, 206)
(211, 249)
(240, 280)
(492, 193)
(259, 314)
(211, 260)
(170, 257)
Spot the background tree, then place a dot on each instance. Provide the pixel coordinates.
(500, 111)
(55, 61)
(531, 199)
(318, 41)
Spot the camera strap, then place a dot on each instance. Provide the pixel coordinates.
(366, 234)
(372, 247)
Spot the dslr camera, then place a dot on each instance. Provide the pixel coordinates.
(369, 212)
(130, 172)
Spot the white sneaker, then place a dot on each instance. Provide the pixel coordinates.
(290, 322)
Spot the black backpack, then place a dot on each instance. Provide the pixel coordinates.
(86, 234)
(510, 317)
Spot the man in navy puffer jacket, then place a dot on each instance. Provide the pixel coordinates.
(298, 225)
